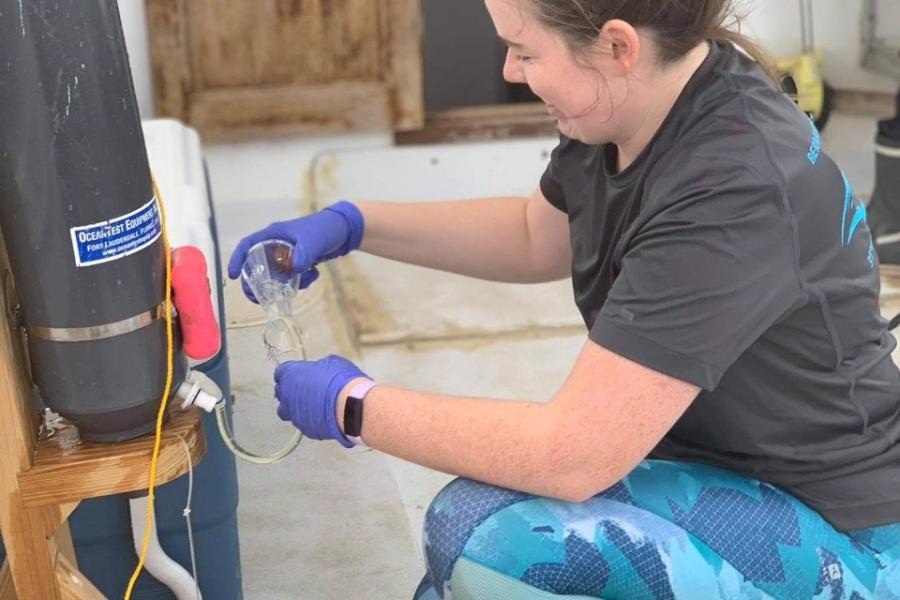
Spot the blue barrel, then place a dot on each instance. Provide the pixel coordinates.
(101, 527)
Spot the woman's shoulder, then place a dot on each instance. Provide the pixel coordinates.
(713, 179)
(764, 143)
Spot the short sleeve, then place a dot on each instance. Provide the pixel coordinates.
(706, 273)
(551, 180)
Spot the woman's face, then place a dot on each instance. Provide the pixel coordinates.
(577, 95)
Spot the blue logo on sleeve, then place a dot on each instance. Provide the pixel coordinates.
(815, 147)
(858, 209)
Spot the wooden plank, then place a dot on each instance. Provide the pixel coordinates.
(350, 40)
(172, 82)
(254, 43)
(55, 517)
(401, 45)
(74, 585)
(93, 470)
(292, 109)
(62, 538)
(265, 67)
(282, 42)
(881, 104)
(15, 387)
(494, 112)
(7, 591)
(30, 557)
(482, 123)
(65, 511)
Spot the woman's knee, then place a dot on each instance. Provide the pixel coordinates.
(453, 515)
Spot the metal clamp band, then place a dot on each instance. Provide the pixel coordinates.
(888, 151)
(99, 332)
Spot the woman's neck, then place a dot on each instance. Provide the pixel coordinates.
(657, 97)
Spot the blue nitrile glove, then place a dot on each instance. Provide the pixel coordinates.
(329, 233)
(308, 391)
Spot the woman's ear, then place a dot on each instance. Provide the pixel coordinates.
(621, 46)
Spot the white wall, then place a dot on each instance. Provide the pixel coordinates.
(277, 170)
(776, 23)
(134, 23)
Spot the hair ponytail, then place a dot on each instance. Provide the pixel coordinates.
(748, 47)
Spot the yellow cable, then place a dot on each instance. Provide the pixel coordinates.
(170, 354)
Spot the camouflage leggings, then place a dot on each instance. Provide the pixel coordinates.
(667, 531)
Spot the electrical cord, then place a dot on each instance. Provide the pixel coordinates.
(187, 513)
(160, 417)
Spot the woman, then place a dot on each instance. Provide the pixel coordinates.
(727, 279)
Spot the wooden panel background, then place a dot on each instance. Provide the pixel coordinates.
(287, 66)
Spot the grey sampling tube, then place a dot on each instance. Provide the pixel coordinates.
(78, 215)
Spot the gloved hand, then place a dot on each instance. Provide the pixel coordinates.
(308, 391)
(329, 233)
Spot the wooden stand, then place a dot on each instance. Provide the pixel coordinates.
(40, 485)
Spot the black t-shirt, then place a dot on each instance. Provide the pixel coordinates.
(733, 254)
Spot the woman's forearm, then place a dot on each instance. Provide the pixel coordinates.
(486, 238)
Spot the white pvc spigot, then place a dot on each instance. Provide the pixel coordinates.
(198, 389)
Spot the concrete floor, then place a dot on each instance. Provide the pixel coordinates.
(331, 523)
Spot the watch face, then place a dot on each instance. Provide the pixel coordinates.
(353, 416)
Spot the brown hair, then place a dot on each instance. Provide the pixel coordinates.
(677, 26)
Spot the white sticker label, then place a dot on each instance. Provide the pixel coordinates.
(117, 238)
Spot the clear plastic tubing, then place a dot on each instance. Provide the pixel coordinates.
(267, 272)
